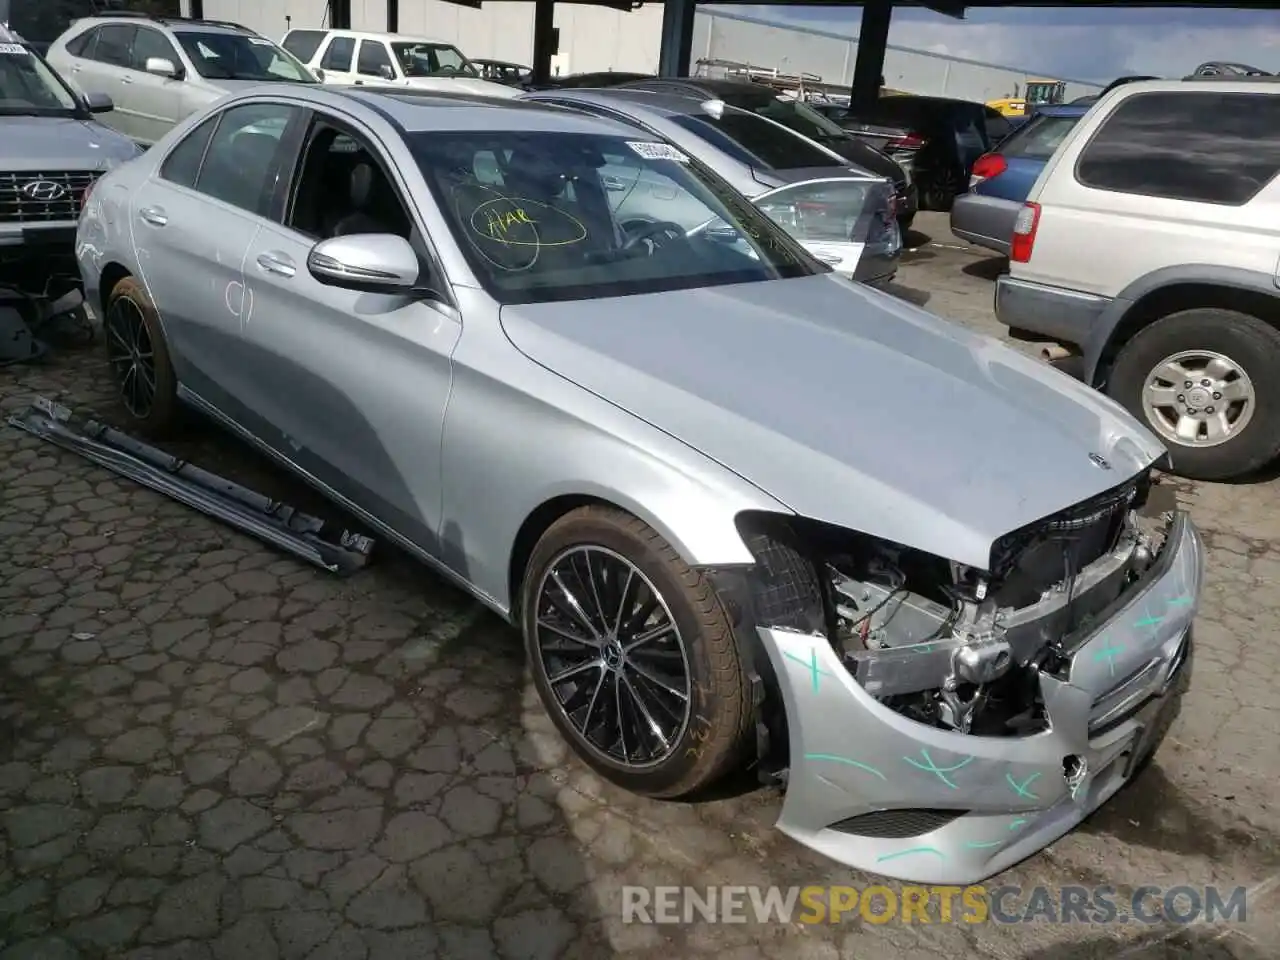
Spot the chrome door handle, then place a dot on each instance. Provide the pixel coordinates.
(154, 216)
(613, 184)
(277, 263)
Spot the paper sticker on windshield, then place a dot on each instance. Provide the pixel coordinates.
(13, 49)
(657, 151)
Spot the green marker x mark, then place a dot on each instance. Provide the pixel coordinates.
(930, 767)
(811, 665)
(1023, 789)
(832, 758)
(906, 853)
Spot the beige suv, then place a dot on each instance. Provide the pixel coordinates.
(1150, 244)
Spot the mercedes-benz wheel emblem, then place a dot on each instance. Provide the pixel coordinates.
(1099, 461)
(42, 191)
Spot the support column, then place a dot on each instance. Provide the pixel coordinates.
(546, 40)
(873, 38)
(677, 37)
(197, 10)
(393, 16)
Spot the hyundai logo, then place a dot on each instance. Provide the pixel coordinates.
(42, 191)
(1099, 461)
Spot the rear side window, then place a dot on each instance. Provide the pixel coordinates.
(1039, 138)
(1205, 147)
(82, 45)
(338, 55)
(767, 143)
(303, 44)
(114, 43)
(182, 165)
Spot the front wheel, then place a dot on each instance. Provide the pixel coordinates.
(1207, 382)
(632, 655)
(138, 354)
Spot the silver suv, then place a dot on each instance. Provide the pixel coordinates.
(159, 70)
(53, 152)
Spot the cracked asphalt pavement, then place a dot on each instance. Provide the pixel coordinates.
(211, 751)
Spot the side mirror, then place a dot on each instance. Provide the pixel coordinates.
(161, 67)
(387, 72)
(98, 103)
(368, 262)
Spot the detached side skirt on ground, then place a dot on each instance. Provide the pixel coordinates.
(269, 520)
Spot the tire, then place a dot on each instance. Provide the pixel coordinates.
(718, 713)
(1251, 345)
(131, 320)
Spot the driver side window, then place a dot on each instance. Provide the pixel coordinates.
(374, 61)
(342, 187)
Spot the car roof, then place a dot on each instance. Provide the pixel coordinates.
(178, 25)
(717, 87)
(422, 110)
(396, 37)
(659, 103)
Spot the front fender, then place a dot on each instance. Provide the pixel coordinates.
(513, 445)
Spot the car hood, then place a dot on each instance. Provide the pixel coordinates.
(474, 85)
(48, 144)
(848, 406)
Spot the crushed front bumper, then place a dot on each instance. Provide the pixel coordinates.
(877, 791)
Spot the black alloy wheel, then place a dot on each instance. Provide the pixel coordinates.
(613, 656)
(132, 356)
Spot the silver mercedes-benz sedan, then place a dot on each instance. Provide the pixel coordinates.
(742, 510)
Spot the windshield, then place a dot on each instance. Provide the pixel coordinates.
(235, 56)
(1039, 138)
(28, 87)
(433, 60)
(800, 117)
(554, 216)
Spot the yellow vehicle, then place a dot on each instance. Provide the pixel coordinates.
(1039, 93)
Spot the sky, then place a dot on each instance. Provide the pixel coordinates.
(1095, 44)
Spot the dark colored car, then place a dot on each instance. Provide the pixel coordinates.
(503, 71)
(802, 118)
(1001, 180)
(603, 78)
(944, 137)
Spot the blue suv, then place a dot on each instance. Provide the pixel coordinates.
(1001, 180)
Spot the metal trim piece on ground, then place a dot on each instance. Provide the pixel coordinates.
(276, 523)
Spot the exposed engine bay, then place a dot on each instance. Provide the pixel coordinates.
(950, 646)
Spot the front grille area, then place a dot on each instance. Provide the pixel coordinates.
(898, 824)
(43, 197)
(1090, 528)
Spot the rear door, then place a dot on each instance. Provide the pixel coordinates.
(193, 222)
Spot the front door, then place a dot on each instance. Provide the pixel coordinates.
(350, 387)
(155, 101)
(338, 60)
(192, 225)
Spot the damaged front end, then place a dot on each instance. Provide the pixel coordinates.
(940, 723)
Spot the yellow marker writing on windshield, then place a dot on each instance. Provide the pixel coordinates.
(500, 222)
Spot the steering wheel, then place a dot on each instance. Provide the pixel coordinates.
(448, 68)
(651, 231)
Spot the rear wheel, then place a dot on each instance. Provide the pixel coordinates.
(1207, 382)
(632, 655)
(146, 385)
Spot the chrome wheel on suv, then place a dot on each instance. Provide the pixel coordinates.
(1198, 398)
(1207, 382)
